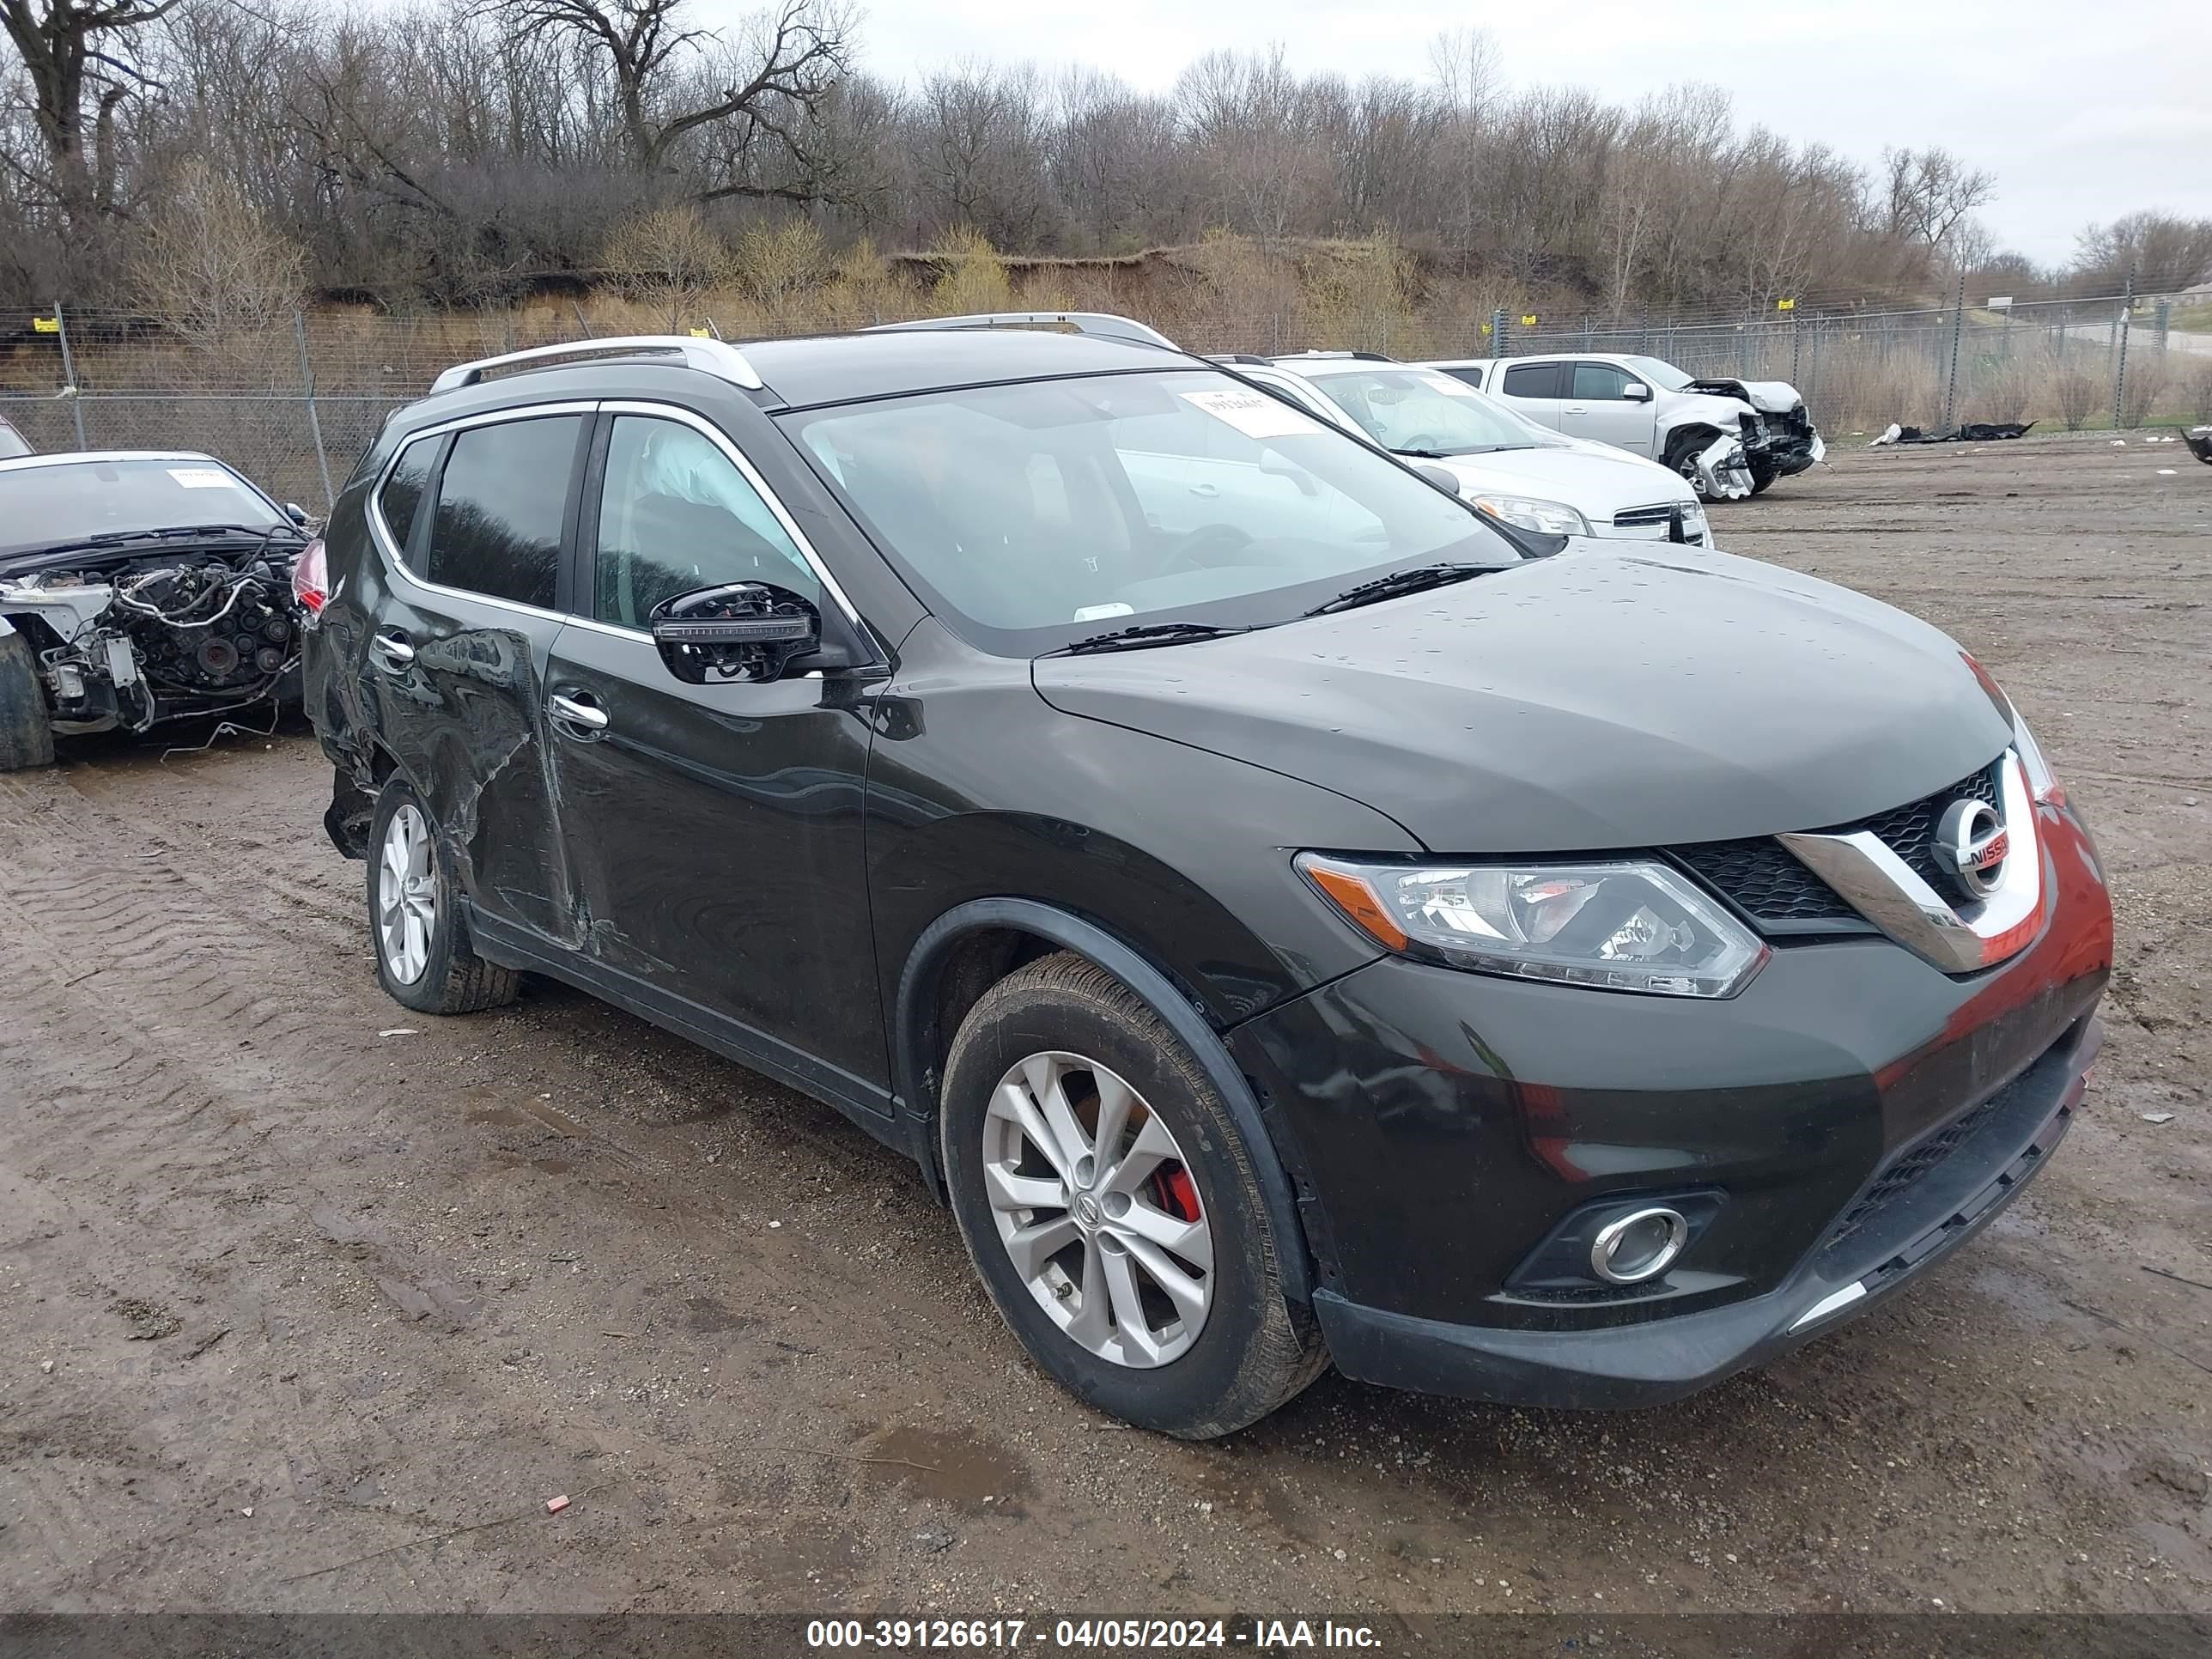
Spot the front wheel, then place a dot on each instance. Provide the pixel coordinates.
(423, 958)
(1682, 453)
(26, 730)
(1111, 1207)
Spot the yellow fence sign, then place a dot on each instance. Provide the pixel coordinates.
(702, 334)
(47, 325)
(1785, 305)
(1529, 321)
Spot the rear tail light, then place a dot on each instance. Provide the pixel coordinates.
(311, 578)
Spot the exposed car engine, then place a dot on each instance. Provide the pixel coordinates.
(130, 642)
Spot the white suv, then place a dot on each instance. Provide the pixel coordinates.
(1506, 465)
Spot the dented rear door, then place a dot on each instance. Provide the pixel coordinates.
(458, 653)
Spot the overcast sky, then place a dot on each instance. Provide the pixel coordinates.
(2082, 111)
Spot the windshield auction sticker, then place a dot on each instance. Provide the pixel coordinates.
(1450, 388)
(201, 477)
(1255, 414)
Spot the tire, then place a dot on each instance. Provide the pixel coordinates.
(26, 729)
(1068, 1021)
(1682, 452)
(444, 975)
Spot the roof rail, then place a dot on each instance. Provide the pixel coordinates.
(716, 357)
(1102, 325)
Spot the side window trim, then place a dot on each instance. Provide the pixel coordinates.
(405, 564)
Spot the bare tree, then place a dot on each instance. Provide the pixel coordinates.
(73, 52)
(672, 81)
(212, 268)
(1929, 193)
(670, 260)
(1466, 65)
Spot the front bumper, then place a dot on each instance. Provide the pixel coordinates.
(1650, 1364)
(1441, 1126)
(1786, 452)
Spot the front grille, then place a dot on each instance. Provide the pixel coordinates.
(1635, 518)
(1909, 830)
(1901, 1176)
(1761, 879)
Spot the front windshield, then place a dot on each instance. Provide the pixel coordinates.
(1662, 373)
(1428, 412)
(1039, 513)
(73, 502)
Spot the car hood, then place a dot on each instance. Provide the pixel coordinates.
(1770, 397)
(1596, 483)
(1594, 699)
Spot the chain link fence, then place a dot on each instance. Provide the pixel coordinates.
(292, 403)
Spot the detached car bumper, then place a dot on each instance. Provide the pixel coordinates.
(1848, 1119)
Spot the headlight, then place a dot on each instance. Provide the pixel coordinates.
(1553, 518)
(1694, 518)
(1628, 925)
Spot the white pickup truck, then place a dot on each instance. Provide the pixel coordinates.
(1691, 426)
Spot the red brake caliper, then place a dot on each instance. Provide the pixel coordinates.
(1178, 1195)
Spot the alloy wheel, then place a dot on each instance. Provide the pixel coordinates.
(1097, 1210)
(406, 895)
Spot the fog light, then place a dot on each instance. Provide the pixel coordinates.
(1639, 1246)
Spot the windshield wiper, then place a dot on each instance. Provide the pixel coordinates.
(1423, 454)
(1166, 633)
(1417, 579)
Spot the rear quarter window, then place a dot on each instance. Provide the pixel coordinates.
(402, 494)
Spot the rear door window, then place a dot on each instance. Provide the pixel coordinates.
(1535, 381)
(502, 500)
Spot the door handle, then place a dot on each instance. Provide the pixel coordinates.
(582, 710)
(391, 651)
(1208, 490)
(1576, 409)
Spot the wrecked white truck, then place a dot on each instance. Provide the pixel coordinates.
(137, 588)
(1730, 438)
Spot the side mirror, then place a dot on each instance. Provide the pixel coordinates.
(1636, 392)
(1444, 480)
(296, 514)
(746, 631)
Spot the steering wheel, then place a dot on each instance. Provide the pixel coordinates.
(1208, 538)
(1421, 440)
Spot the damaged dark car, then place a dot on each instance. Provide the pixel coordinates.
(138, 588)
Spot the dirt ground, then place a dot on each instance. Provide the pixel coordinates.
(307, 1303)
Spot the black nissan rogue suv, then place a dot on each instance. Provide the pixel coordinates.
(1289, 918)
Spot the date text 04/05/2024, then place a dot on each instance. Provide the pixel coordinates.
(1153, 1635)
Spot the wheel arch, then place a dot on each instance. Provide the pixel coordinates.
(972, 947)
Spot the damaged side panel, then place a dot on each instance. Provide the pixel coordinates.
(749, 900)
(464, 719)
